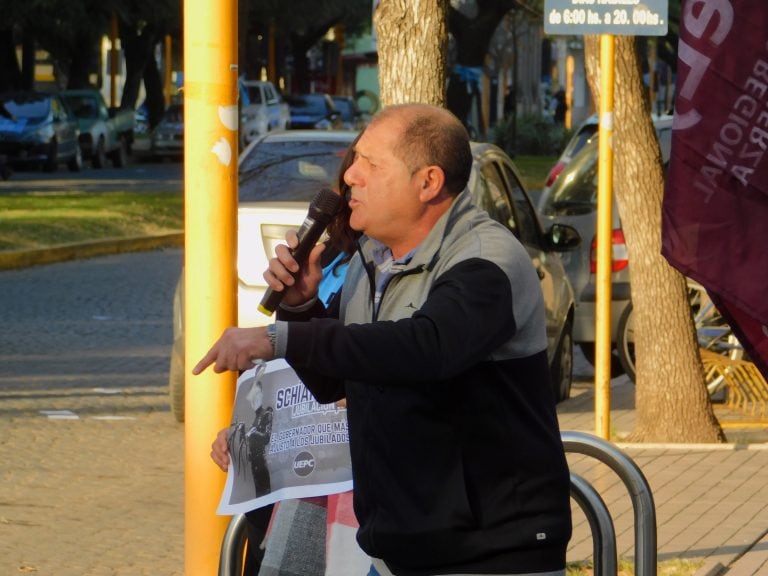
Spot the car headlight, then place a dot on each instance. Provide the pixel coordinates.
(42, 134)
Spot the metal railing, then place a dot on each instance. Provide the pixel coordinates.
(639, 492)
(588, 499)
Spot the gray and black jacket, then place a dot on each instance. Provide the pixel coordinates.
(456, 455)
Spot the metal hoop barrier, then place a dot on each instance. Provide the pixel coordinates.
(588, 499)
(601, 524)
(639, 492)
(232, 547)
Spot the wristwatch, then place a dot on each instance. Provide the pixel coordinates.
(272, 335)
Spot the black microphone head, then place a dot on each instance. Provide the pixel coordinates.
(324, 205)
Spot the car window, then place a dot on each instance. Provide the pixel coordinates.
(289, 170)
(254, 94)
(575, 190)
(82, 106)
(579, 140)
(491, 196)
(525, 215)
(174, 114)
(314, 104)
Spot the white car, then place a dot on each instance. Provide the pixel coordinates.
(281, 172)
(262, 109)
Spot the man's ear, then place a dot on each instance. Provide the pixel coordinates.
(431, 182)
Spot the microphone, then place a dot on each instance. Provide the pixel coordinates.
(322, 209)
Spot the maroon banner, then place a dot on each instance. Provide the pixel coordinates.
(715, 211)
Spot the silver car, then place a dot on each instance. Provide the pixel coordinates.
(281, 172)
(572, 200)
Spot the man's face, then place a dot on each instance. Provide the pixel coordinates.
(384, 199)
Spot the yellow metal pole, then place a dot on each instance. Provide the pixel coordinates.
(168, 68)
(210, 185)
(570, 66)
(604, 225)
(113, 62)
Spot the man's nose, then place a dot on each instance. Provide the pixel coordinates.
(352, 175)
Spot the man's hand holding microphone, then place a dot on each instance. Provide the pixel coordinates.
(293, 277)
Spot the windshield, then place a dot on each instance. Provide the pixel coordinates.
(290, 170)
(82, 106)
(308, 104)
(174, 114)
(27, 106)
(575, 190)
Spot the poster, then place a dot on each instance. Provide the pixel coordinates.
(282, 442)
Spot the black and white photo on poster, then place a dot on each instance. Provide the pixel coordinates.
(282, 443)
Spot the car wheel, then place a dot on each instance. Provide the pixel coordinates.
(53, 156)
(99, 155)
(120, 156)
(625, 342)
(562, 367)
(75, 163)
(176, 380)
(588, 349)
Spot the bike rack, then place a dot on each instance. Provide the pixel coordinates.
(601, 524)
(639, 492)
(588, 499)
(232, 547)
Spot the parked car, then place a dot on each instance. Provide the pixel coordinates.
(586, 131)
(104, 132)
(167, 139)
(262, 109)
(38, 129)
(352, 118)
(281, 172)
(314, 112)
(572, 200)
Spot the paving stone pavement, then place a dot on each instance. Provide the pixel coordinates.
(94, 486)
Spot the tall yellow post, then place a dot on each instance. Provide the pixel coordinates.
(168, 69)
(604, 226)
(210, 185)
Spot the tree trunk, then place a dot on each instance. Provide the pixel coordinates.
(671, 400)
(10, 75)
(153, 85)
(412, 40)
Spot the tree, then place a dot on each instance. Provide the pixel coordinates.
(473, 37)
(301, 24)
(671, 400)
(412, 42)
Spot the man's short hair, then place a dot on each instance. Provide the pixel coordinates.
(433, 136)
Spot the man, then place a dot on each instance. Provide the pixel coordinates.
(440, 350)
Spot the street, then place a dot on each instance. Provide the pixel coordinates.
(138, 176)
(91, 454)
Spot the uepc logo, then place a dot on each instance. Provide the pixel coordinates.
(303, 464)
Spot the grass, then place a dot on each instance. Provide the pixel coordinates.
(40, 220)
(534, 169)
(676, 567)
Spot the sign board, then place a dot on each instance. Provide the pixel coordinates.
(617, 17)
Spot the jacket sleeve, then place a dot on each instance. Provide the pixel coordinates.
(466, 316)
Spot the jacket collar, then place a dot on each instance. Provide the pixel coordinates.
(427, 253)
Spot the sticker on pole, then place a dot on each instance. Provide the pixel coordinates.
(618, 17)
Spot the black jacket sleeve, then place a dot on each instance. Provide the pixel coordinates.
(467, 315)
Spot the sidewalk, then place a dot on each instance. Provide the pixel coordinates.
(105, 497)
(711, 500)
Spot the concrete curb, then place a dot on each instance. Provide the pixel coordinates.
(24, 258)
